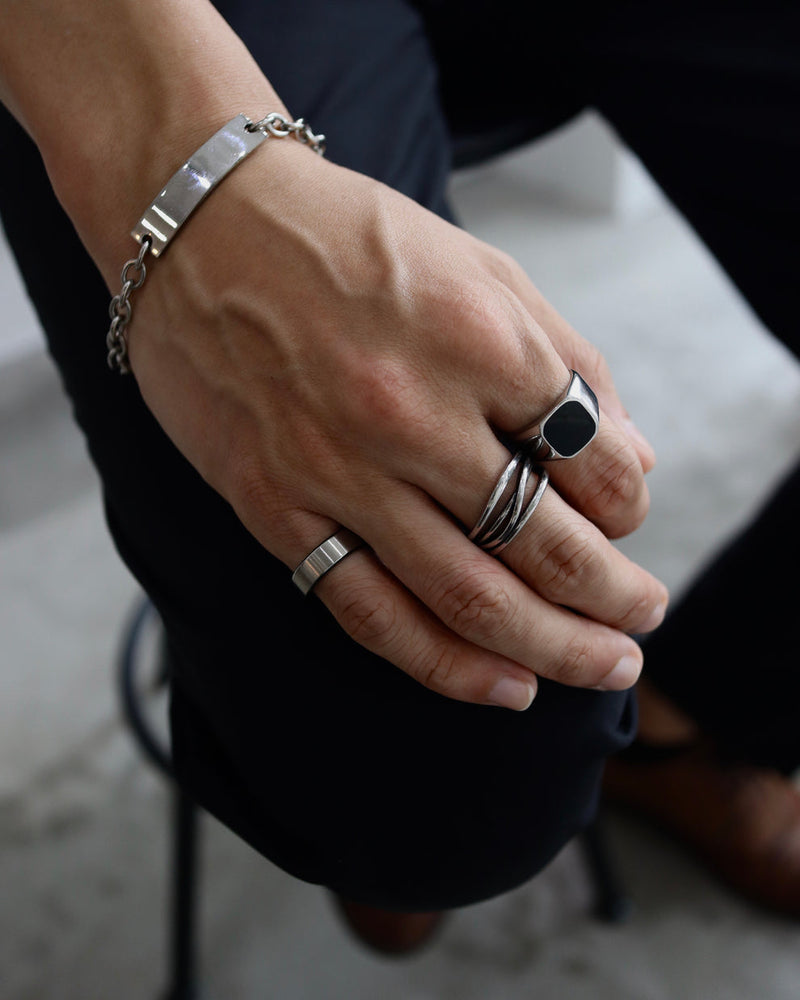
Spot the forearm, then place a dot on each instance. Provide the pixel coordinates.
(116, 94)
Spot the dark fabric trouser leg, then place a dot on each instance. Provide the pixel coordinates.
(728, 653)
(326, 759)
(708, 95)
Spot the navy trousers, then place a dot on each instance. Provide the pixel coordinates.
(339, 768)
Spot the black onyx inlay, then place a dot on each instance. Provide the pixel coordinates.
(569, 429)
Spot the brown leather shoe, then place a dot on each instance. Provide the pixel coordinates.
(388, 932)
(742, 821)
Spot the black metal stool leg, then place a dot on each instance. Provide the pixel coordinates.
(184, 885)
(185, 812)
(611, 902)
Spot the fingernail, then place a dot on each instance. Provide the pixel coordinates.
(624, 675)
(655, 619)
(511, 693)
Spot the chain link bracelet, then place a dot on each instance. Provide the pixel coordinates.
(178, 199)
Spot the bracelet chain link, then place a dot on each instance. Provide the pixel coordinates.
(120, 310)
(134, 272)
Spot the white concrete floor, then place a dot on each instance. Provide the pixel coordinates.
(83, 819)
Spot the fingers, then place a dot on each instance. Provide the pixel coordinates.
(454, 618)
(381, 615)
(559, 554)
(571, 563)
(481, 600)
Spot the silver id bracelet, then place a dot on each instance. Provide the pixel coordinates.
(181, 195)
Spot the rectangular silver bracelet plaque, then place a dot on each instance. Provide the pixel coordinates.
(196, 178)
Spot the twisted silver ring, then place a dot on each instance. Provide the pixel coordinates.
(566, 429)
(323, 558)
(510, 504)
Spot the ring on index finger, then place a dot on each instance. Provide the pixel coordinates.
(567, 428)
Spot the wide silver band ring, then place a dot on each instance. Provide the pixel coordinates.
(510, 504)
(323, 558)
(566, 429)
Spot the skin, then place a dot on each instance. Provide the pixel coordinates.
(343, 364)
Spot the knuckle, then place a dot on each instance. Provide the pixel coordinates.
(387, 399)
(369, 621)
(477, 307)
(437, 670)
(619, 488)
(488, 315)
(250, 485)
(250, 481)
(510, 273)
(516, 276)
(564, 564)
(268, 507)
(592, 365)
(476, 604)
(637, 611)
(577, 666)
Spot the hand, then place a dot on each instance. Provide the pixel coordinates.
(327, 353)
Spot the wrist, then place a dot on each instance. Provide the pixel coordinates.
(169, 72)
(182, 194)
